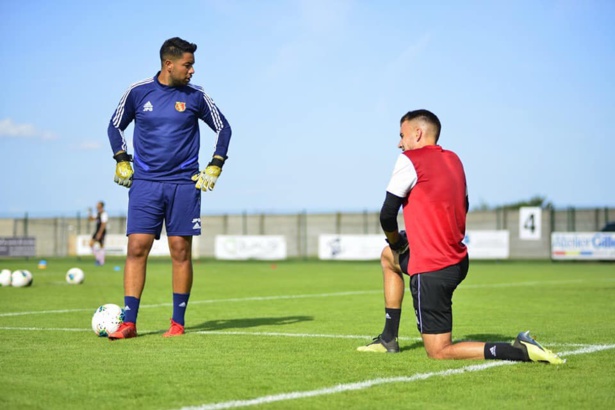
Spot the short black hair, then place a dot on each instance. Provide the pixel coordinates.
(175, 48)
(424, 115)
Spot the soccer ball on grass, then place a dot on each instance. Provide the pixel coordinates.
(21, 278)
(5, 278)
(107, 319)
(75, 276)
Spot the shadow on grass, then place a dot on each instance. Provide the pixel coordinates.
(249, 322)
(414, 345)
(213, 325)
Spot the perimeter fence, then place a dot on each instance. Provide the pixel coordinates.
(56, 236)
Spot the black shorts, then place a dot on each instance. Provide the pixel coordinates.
(102, 238)
(432, 294)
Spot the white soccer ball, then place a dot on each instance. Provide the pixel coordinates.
(107, 319)
(75, 276)
(5, 278)
(21, 278)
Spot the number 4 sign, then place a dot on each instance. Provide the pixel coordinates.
(530, 223)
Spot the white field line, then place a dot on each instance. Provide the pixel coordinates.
(340, 388)
(282, 297)
(200, 302)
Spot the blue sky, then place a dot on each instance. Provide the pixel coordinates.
(314, 91)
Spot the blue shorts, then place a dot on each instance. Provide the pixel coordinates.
(150, 203)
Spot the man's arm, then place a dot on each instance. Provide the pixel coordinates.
(402, 181)
(211, 115)
(214, 118)
(123, 115)
(121, 118)
(388, 218)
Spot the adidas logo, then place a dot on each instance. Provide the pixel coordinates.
(127, 307)
(492, 350)
(183, 304)
(148, 106)
(197, 223)
(387, 316)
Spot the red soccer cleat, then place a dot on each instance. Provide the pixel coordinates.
(125, 331)
(175, 330)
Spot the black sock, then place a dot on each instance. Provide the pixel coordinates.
(391, 324)
(504, 351)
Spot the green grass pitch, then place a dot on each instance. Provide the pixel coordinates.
(283, 336)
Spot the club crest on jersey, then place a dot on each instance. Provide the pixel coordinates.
(180, 106)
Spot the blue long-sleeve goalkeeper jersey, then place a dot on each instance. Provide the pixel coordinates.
(166, 137)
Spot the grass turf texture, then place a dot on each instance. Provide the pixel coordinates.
(257, 329)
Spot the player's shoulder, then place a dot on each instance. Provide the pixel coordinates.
(194, 88)
(451, 154)
(146, 83)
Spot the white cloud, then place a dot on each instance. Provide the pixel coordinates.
(10, 129)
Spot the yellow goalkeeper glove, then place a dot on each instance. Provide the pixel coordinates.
(206, 179)
(123, 169)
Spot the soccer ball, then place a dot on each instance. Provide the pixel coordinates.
(5, 278)
(21, 278)
(75, 276)
(107, 319)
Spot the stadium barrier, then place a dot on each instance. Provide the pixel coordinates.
(488, 244)
(262, 247)
(481, 245)
(350, 247)
(583, 246)
(529, 231)
(116, 244)
(17, 246)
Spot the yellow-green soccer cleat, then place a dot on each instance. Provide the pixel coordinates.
(380, 346)
(534, 351)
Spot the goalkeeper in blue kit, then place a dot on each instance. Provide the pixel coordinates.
(163, 172)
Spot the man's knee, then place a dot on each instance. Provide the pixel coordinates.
(435, 354)
(387, 258)
(436, 346)
(390, 262)
(139, 246)
(180, 249)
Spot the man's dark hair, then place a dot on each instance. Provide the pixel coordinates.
(175, 48)
(424, 115)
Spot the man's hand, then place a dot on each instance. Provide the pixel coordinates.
(401, 246)
(206, 179)
(123, 169)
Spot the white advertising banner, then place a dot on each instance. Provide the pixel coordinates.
(114, 245)
(583, 245)
(350, 247)
(117, 244)
(242, 247)
(488, 244)
(481, 245)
